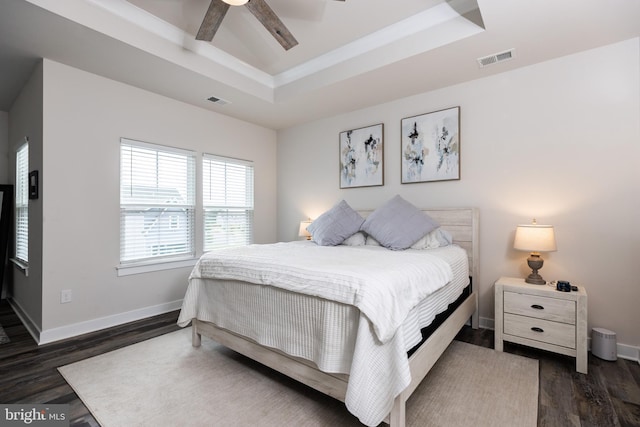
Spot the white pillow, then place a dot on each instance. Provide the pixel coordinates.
(372, 242)
(358, 239)
(398, 224)
(435, 239)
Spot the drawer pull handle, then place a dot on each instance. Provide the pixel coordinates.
(536, 329)
(537, 307)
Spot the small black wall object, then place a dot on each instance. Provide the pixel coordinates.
(33, 185)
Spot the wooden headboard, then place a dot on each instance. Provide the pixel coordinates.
(463, 224)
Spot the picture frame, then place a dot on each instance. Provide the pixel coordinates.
(430, 146)
(362, 157)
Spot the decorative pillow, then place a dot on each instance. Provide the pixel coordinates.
(398, 224)
(335, 225)
(357, 239)
(435, 239)
(444, 237)
(372, 242)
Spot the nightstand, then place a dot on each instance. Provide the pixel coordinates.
(540, 316)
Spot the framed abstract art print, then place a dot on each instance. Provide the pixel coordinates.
(362, 157)
(430, 146)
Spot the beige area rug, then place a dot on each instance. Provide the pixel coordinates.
(166, 382)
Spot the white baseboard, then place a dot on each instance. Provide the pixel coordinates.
(628, 352)
(28, 323)
(56, 334)
(486, 323)
(624, 351)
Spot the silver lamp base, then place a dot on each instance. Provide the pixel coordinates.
(535, 263)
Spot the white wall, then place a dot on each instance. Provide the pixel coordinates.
(558, 141)
(25, 121)
(4, 147)
(84, 118)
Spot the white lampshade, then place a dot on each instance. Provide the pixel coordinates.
(303, 232)
(535, 238)
(235, 2)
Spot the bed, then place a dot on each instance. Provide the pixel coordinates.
(337, 357)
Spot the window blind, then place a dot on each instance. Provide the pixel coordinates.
(22, 203)
(227, 191)
(157, 202)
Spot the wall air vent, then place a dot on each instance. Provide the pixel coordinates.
(496, 57)
(218, 101)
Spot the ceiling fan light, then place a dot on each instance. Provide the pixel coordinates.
(235, 2)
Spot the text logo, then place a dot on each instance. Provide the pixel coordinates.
(34, 415)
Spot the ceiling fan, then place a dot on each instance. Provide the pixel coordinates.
(259, 8)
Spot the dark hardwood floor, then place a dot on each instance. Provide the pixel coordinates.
(608, 396)
(28, 372)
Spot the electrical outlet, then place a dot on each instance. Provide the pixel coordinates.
(65, 296)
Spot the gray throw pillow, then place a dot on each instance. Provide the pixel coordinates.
(335, 225)
(398, 224)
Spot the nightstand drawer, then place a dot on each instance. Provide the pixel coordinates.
(558, 310)
(561, 334)
(541, 317)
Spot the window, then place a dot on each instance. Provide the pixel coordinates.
(157, 203)
(227, 191)
(22, 204)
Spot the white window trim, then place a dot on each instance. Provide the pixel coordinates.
(161, 264)
(224, 159)
(148, 267)
(205, 207)
(21, 265)
(126, 268)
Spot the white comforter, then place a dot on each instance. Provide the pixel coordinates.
(385, 286)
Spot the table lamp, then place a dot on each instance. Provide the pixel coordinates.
(302, 232)
(535, 238)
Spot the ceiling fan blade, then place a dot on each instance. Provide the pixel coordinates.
(212, 20)
(272, 23)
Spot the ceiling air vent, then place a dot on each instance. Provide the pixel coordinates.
(496, 57)
(218, 101)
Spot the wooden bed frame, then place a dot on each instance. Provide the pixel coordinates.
(463, 225)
